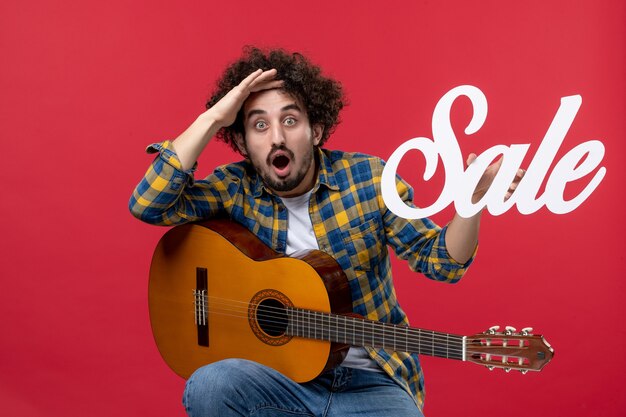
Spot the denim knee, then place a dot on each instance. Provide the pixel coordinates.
(236, 387)
(213, 386)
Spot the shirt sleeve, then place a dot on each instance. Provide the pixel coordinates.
(167, 195)
(421, 242)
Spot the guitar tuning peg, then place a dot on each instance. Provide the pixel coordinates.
(507, 369)
(524, 371)
(490, 367)
(492, 330)
(509, 330)
(527, 330)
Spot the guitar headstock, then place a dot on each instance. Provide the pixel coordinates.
(509, 350)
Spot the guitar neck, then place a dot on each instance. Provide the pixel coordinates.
(357, 331)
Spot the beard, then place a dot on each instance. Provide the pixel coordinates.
(292, 181)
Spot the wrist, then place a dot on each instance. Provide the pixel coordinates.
(209, 123)
(208, 119)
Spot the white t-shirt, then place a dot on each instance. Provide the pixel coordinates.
(300, 236)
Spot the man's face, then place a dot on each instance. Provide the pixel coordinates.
(279, 141)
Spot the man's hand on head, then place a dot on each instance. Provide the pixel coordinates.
(224, 112)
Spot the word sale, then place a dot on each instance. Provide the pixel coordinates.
(460, 183)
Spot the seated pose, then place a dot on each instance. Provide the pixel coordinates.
(277, 110)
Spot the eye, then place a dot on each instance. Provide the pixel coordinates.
(289, 121)
(260, 125)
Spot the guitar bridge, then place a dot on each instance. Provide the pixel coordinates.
(201, 303)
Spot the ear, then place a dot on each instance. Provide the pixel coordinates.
(241, 144)
(318, 131)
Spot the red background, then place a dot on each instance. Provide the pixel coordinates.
(85, 86)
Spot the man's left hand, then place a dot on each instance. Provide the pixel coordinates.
(488, 176)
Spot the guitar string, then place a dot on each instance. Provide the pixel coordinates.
(279, 310)
(425, 336)
(428, 338)
(428, 347)
(321, 321)
(410, 345)
(425, 348)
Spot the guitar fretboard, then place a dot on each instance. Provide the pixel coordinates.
(356, 331)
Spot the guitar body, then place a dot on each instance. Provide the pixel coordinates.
(237, 272)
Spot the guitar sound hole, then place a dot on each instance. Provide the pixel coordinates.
(272, 317)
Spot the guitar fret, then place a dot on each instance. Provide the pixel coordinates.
(420, 337)
(353, 331)
(432, 343)
(329, 329)
(308, 324)
(299, 322)
(341, 337)
(318, 331)
(406, 338)
(314, 325)
(319, 326)
(361, 332)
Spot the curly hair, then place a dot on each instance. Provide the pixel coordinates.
(322, 97)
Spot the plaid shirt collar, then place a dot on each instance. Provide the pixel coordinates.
(325, 176)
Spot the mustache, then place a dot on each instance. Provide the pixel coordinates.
(276, 149)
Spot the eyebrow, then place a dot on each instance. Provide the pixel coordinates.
(292, 106)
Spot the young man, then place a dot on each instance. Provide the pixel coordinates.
(277, 110)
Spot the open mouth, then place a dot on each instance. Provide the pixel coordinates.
(281, 161)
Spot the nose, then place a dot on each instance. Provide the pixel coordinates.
(278, 135)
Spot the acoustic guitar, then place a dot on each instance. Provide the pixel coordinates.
(216, 292)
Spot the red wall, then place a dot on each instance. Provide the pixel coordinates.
(85, 86)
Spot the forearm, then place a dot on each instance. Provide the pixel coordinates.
(462, 237)
(190, 144)
(155, 199)
(168, 195)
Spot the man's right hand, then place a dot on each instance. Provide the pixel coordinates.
(190, 144)
(224, 112)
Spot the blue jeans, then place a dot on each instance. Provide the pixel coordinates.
(237, 387)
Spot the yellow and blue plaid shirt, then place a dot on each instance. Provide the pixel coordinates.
(350, 221)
